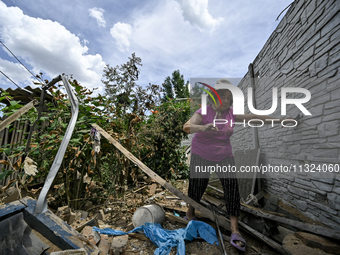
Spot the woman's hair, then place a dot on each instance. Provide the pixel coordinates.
(219, 92)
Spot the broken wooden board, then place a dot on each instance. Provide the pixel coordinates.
(246, 180)
(16, 115)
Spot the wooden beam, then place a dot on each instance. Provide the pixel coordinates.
(16, 115)
(319, 230)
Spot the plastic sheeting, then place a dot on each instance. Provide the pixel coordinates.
(165, 239)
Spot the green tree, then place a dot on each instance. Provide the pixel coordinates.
(175, 83)
(131, 102)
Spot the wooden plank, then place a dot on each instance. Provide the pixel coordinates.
(280, 218)
(152, 189)
(223, 221)
(16, 115)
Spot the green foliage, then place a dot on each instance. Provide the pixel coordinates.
(124, 112)
(164, 133)
(175, 83)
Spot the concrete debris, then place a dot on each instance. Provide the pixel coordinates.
(118, 244)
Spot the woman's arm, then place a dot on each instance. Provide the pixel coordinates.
(194, 125)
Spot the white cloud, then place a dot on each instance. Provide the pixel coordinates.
(97, 13)
(196, 12)
(49, 47)
(122, 33)
(16, 72)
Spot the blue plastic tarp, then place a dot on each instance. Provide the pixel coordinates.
(165, 239)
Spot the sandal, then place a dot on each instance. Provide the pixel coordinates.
(236, 237)
(186, 218)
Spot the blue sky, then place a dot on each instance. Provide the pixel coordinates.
(201, 38)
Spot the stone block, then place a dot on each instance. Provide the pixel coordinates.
(104, 244)
(333, 201)
(328, 222)
(333, 153)
(330, 117)
(319, 242)
(323, 186)
(336, 190)
(318, 65)
(301, 205)
(331, 25)
(297, 191)
(329, 128)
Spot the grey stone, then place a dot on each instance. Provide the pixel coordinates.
(335, 94)
(332, 104)
(311, 216)
(332, 116)
(329, 128)
(331, 25)
(323, 186)
(326, 145)
(334, 58)
(321, 99)
(333, 201)
(287, 67)
(328, 210)
(301, 205)
(306, 183)
(295, 148)
(318, 65)
(328, 222)
(297, 192)
(334, 153)
(329, 15)
(327, 73)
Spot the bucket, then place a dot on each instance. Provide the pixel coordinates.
(153, 213)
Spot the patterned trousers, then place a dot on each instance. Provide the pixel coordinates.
(199, 182)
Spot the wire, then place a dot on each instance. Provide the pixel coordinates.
(284, 10)
(16, 85)
(21, 63)
(9, 79)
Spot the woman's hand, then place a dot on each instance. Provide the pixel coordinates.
(209, 127)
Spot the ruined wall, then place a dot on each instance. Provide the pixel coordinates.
(303, 51)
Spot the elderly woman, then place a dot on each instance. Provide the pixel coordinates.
(211, 147)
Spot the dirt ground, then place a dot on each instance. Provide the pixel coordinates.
(117, 214)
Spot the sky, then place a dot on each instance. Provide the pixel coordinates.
(201, 38)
